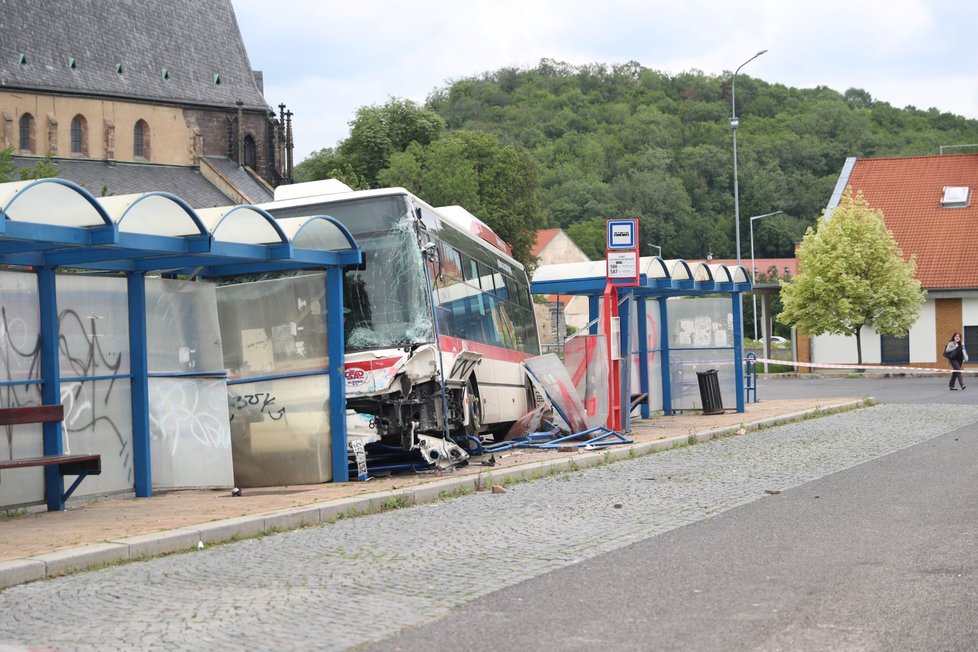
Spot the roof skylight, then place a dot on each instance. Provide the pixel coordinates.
(955, 196)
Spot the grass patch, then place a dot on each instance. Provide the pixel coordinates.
(12, 513)
(394, 502)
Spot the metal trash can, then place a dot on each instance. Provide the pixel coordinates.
(710, 391)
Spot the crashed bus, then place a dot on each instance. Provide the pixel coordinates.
(437, 319)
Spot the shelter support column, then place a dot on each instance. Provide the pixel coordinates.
(765, 334)
(625, 368)
(664, 353)
(54, 486)
(139, 366)
(641, 304)
(738, 324)
(337, 380)
(592, 313)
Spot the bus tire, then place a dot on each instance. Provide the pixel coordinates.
(474, 425)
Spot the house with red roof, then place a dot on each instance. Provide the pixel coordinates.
(554, 246)
(929, 204)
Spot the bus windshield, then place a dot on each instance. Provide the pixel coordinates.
(386, 304)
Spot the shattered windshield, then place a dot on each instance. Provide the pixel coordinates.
(385, 303)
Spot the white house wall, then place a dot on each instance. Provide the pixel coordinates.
(924, 333)
(838, 349)
(969, 315)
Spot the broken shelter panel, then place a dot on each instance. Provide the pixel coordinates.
(549, 371)
(586, 361)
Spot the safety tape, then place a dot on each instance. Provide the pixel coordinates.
(813, 365)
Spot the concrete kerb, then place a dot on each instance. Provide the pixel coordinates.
(185, 539)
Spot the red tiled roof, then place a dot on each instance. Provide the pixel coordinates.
(909, 191)
(544, 236)
(764, 265)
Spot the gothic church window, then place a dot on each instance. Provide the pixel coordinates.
(140, 140)
(27, 133)
(79, 136)
(249, 151)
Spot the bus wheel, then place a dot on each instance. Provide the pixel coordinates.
(475, 410)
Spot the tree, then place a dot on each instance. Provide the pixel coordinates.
(378, 132)
(43, 168)
(497, 183)
(852, 274)
(6, 164)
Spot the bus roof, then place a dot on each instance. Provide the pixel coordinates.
(327, 190)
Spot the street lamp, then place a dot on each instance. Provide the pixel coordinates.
(733, 126)
(753, 266)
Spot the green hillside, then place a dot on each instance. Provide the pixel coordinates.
(629, 141)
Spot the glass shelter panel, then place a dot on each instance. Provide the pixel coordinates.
(182, 329)
(652, 335)
(274, 327)
(93, 325)
(280, 431)
(700, 339)
(21, 486)
(98, 419)
(190, 437)
(19, 327)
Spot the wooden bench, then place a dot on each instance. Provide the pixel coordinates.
(81, 465)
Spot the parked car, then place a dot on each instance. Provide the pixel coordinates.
(777, 339)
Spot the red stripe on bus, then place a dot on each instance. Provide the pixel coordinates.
(371, 365)
(457, 345)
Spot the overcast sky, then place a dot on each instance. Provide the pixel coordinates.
(324, 59)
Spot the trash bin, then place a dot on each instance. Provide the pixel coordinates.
(710, 391)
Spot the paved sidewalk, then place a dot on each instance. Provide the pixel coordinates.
(44, 544)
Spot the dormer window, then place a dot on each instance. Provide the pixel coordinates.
(955, 197)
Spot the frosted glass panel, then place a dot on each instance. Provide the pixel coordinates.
(683, 366)
(94, 326)
(19, 325)
(702, 330)
(182, 330)
(189, 433)
(700, 322)
(98, 419)
(280, 431)
(21, 486)
(272, 327)
(652, 334)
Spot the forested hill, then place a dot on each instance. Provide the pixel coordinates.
(628, 141)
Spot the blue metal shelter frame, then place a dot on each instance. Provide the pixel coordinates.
(52, 223)
(658, 279)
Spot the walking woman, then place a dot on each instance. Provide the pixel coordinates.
(956, 355)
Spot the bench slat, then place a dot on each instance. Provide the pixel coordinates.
(13, 416)
(89, 463)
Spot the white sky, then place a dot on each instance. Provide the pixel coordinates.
(324, 59)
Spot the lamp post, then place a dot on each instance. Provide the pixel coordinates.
(734, 123)
(753, 266)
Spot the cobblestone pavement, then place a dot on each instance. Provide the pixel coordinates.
(336, 586)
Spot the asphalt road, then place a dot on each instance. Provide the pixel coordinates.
(855, 531)
(881, 556)
(929, 389)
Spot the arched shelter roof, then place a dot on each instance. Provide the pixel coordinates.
(53, 222)
(657, 277)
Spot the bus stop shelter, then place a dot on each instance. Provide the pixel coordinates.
(645, 349)
(49, 226)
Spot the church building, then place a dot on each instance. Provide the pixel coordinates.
(140, 96)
